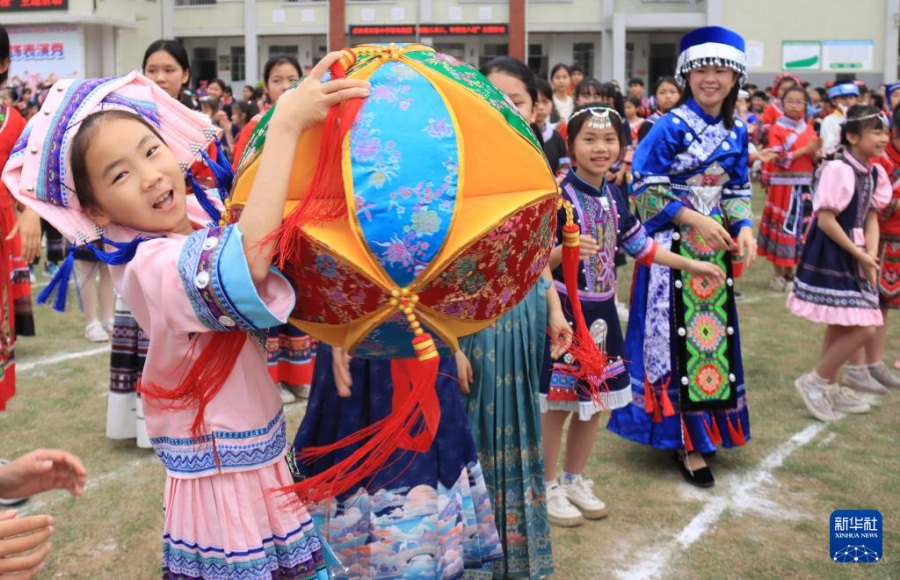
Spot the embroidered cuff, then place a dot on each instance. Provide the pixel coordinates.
(646, 259)
(738, 213)
(217, 279)
(637, 243)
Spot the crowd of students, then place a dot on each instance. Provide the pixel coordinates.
(664, 177)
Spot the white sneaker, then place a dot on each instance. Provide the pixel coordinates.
(580, 493)
(560, 510)
(863, 383)
(777, 283)
(880, 373)
(815, 398)
(94, 332)
(287, 397)
(844, 400)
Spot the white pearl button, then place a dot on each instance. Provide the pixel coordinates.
(226, 321)
(202, 280)
(210, 243)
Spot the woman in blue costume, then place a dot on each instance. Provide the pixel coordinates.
(502, 402)
(692, 191)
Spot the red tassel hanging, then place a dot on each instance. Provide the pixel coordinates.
(324, 201)
(412, 424)
(688, 444)
(649, 402)
(204, 378)
(592, 363)
(667, 409)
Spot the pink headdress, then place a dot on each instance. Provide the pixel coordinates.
(39, 170)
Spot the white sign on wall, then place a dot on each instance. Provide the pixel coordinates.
(801, 55)
(37, 52)
(755, 54)
(850, 55)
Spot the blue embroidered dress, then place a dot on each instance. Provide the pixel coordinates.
(682, 340)
(424, 515)
(221, 518)
(604, 214)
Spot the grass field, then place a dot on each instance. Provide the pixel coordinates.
(767, 517)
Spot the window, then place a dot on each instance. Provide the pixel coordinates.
(195, 2)
(204, 65)
(238, 63)
(492, 51)
(537, 60)
(284, 49)
(629, 60)
(583, 56)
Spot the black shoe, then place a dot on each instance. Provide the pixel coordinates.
(699, 477)
(709, 455)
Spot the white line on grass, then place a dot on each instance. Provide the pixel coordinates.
(654, 563)
(49, 360)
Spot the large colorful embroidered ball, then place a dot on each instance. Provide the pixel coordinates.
(428, 206)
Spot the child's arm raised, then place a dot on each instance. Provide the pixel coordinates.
(298, 109)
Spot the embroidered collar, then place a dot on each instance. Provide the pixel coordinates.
(792, 124)
(861, 166)
(583, 186)
(698, 110)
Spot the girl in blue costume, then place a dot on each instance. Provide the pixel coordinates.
(502, 402)
(596, 142)
(692, 190)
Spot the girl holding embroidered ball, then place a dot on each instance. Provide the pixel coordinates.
(204, 294)
(837, 276)
(596, 140)
(692, 189)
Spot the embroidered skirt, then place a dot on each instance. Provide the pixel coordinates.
(783, 223)
(504, 416)
(126, 365)
(560, 391)
(230, 525)
(655, 415)
(889, 279)
(291, 355)
(424, 515)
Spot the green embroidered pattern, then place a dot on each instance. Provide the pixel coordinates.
(704, 330)
(653, 200)
(737, 209)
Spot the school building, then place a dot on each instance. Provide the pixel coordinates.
(611, 39)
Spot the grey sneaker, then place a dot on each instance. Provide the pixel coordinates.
(845, 400)
(560, 510)
(864, 383)
(814, 397)
(883, 375)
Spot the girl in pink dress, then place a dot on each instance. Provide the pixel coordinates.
(838, 269)
(106, 160)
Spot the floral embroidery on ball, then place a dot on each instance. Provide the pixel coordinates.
(439, 128)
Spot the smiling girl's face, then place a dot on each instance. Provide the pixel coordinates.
(594, 151)
(133, 179)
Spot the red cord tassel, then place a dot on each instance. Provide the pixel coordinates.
(412, 425)
(592, 363)
(649, 401)
(667, 409)
(688, 444)
(324, 201)
(204, 378)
